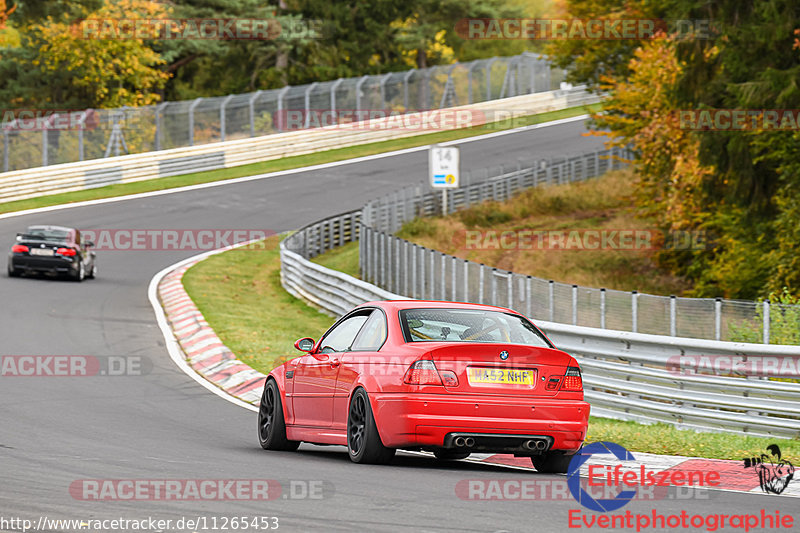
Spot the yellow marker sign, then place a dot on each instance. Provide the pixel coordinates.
(450, 179)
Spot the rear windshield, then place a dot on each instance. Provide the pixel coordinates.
(469, 325)
(44, 234)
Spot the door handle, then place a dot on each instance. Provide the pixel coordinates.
(334, 363)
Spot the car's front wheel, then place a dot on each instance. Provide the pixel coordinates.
(271, 424)
(552, 462)
(363, 441)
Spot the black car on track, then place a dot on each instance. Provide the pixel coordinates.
(52, 250)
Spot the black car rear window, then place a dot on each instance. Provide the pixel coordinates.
(46, 234)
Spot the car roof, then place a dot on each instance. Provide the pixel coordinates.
(398, 305)
(50, 228)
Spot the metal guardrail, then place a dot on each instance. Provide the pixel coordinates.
(406, 268)
(627, 375)
(21, 184)
(97, 133)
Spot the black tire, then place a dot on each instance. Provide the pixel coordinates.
(271, 424)
(363, 441)
(551, 463)
(13, 272)
(450, 455)
(80, 274)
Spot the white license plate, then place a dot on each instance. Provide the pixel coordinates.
(42, 251)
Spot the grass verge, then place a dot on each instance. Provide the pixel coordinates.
(600, 205)
(240, 294)
(287, 163)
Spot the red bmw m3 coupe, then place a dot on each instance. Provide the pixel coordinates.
(450, 378)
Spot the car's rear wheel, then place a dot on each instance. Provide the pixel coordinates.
(450, 455)
(271, 424)
(552, 462)
(80, 274)
(363, 441)
(12, 272)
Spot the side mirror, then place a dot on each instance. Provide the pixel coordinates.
(89, 244)
(305, 344)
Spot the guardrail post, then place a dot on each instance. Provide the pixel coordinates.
(382, 85)
(574, 305)
(251, 103)
(766, 322)
(413, 292)
(443, 278)
(191, 119)
(510, 289)
(333, 98)
(494, 286)
(361, 252)
(5, 150)
(159, 133)
(634, 311)
(405, 87)
(602, 309)
(528, 302)
(432, 290)
(454, 281)
(396, 278)
(421, 274)
(551, 299)
(489, 64)
(481, 282)
(81, 124)
(718, 318)
(307, 104)
(278, 124)
(466, 281)
(222, 116)
(359, 83)
(469, 81)
(673, 318)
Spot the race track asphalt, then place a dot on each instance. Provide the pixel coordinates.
(163, 425)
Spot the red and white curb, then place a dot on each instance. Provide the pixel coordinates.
(203, 350)
(204, 353)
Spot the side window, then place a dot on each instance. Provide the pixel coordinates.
(340, 338)
(372, 334)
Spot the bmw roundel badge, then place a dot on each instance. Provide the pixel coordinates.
(504, 355)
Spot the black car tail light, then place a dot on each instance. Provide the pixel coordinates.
(66, 252)
(19, 248)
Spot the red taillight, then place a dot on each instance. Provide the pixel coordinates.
(66, 252)
(422, 372)
(572, 379)
(19, 248)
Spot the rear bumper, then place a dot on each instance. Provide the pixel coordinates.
(430, 420)
(56, 264)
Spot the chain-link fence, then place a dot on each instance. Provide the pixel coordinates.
(403, 267)
(40, 137)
